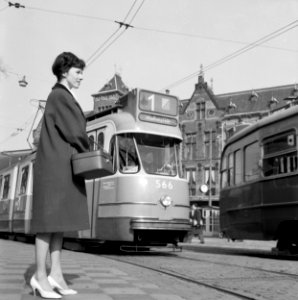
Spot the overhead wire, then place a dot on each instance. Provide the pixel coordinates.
(208, 38)
(242, 50)
(148, 29)
(91, 57)
(124, 26)
(18, 130)
(95, 55)
(136, 12)
(108, 42)
(69, 14)
(129, 11)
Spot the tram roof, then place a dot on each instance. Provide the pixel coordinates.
(275, 117)
(125, 122)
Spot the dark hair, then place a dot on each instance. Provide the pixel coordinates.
(64, 62)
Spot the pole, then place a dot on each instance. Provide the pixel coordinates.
(210, 167)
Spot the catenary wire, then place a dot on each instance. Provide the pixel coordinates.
(92, 58)
(69, 14)
(131, 8)
(18, 130)
(209, 38)
(136, 12)
(221, 61)
(103, 48)
(152, 29)
(242, 50)
(97, 54)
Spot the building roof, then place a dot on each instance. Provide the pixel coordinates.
(256, 100)
(113, 85)
(200, 88)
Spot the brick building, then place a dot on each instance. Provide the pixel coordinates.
(207, 120)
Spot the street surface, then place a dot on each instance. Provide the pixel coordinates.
(217, 269)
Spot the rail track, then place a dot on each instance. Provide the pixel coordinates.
(226, 277)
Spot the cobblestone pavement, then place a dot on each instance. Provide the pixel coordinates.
(100, 278)
(94, 276)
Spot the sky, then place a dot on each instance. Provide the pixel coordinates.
(241, 44)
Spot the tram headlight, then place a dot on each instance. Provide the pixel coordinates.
(166, 201)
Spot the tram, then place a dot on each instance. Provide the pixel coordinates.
(259, 182)
(144, 200)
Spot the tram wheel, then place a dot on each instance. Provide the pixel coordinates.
(283, 244)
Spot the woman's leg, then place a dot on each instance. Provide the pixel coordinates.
(42, 242)
(55, 251)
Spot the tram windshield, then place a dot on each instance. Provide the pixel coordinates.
(155, 154)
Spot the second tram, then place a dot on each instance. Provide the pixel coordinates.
(259, 181)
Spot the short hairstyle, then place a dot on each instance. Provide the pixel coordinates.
(64, 62)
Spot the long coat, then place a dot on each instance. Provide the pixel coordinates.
(196, 217)
(59, 198)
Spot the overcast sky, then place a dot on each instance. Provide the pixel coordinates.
(168, 42)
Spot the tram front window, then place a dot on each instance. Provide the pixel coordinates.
(128, 158)
(158, 154)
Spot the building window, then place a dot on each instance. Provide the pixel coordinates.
(191, 178)
(209, 180)
(201, 108)
(210, 142)
(190, 146)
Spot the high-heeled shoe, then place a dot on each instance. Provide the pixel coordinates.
(61, 290)
(44, 294)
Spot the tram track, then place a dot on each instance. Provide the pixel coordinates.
(231, 276)
(182, 277)
(281, 273)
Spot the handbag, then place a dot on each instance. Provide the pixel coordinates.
(92, 165)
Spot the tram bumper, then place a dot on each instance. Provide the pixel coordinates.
(159, 231)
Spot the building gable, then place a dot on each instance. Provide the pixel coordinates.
(109, 94)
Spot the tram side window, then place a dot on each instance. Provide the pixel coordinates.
(238, 167)
(1, 181)
(113, 152)
(100, 140)
(280, 154)
(128, 158)
(92, 146)
(24, 180)
(231, 169)
(251, 161)
(224, 173)
(6, 187)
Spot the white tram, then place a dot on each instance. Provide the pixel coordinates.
(145, 200)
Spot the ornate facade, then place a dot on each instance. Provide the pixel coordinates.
(207, 120)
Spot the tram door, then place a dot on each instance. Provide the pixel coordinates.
(99, 139)
(211, 222)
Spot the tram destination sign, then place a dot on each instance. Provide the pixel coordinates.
(158, 103)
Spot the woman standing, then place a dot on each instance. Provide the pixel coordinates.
(59, 198)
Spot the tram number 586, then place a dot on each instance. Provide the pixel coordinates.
(163, 184)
